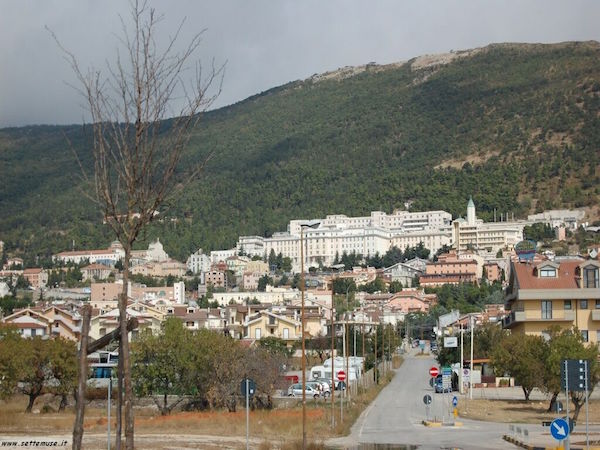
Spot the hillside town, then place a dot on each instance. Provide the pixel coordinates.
(253, 290)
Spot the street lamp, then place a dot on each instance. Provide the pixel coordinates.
(311, 224)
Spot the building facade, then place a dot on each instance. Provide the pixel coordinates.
(559, 292)
(339, 234)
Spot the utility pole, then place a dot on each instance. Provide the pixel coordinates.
(471, 369)
(332, 355)
(376, 366)
(460, 374)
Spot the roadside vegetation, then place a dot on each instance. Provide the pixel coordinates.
(533, 361)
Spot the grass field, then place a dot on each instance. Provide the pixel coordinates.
(269, 429)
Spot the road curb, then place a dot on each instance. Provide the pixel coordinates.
(521, 444)
(430, 424)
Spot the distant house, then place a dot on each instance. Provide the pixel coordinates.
(36, 277)
(29, 323)
(96, 272)
(403, 273)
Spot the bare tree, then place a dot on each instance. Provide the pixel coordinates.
(142, 113)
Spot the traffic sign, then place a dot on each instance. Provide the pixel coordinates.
(341, 375)
(434, 371)
(427, 399)
(454, 401)
(431, 381)
(559, 429)
(447, 377)
(251, 387)
(575, 371)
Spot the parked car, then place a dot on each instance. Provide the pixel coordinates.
(321, 387)
(439, 385)
(295, 390)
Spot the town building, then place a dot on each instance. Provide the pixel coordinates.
(556, 218)
(563, 292)
(485, 238)
(37, 277)
(339, 234)
(96, 272)
(452, 268)
(198, 262)
(108, 257)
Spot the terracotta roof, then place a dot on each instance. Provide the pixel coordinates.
(528, 280)
(32, 271)
(28, 325)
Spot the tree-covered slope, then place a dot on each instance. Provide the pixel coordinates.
(515, 126)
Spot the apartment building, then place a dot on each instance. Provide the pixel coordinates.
(473, 234)
(36, 277)
(560, 292)
(452, 268)
(198, 262)
(338, 234)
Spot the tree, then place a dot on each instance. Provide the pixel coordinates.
(395, 286)
(319, 344)
(522, 356)
(36, 368)
(12, 360)
(140, 130)
(63, 368)
(567, 344)
(263, 282)
(161, 364)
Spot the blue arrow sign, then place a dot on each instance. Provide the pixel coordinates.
(454, 401)
(559, 429)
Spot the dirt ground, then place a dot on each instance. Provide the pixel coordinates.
(519, 411)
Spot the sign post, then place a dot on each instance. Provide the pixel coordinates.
(427, 400)
(559, 429)
(248, 388)
(341, 377)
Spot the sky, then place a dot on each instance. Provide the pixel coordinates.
(263, 43)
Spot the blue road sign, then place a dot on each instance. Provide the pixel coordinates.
(454, 401)
(559, 429)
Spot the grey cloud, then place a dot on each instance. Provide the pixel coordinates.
(265, 43)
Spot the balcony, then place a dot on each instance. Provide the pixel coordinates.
(522, 316)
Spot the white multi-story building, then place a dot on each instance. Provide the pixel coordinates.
(108, 257)
(474, 234)
(198, 262)
(559, 217)
(339, 234)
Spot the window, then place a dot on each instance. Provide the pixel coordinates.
(257, 333)
(568, 304)
(286, 333)
(548, 272)
(597, 304)
(590, 277)
(583, 304)
(584, 335)
(33, 331)
(546, 309)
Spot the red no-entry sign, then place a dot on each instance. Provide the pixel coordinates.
(434, 371)
(341, 375)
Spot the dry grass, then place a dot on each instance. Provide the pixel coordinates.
(518, 411)
(274, 429)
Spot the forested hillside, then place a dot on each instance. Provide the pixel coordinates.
(516, 126)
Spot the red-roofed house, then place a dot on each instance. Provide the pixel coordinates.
(561, 292)
(37, 277)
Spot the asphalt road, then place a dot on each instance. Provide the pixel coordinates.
(397, 414)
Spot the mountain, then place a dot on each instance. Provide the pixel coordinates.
(516, 126)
